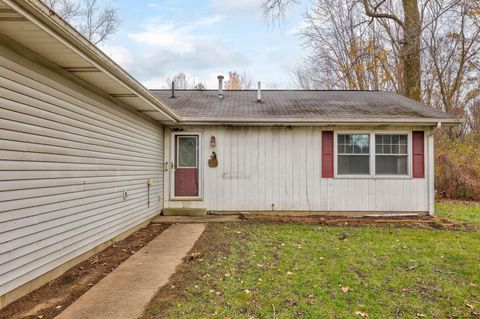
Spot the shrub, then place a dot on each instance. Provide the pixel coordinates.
(457, 167)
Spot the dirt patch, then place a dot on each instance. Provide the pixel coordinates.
(212, 242)
(49, 300)
(391, 221)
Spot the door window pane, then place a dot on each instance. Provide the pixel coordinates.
(187, 151)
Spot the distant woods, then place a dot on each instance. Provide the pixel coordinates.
(428, 50)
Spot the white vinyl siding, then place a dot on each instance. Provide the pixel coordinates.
(66, 158)
(279, 168)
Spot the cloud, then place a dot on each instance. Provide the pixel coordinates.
(236, 6)
(298, 28)
(177, 37)
(120, 54)
(170, 47)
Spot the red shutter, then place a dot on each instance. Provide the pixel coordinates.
(327, 154)
(418, 156)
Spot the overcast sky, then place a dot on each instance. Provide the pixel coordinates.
(203, 38)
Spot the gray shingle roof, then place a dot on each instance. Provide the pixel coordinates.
(297, 104)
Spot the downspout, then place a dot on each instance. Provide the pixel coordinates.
(431, 170)
(439, 126)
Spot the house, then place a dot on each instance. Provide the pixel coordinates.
(88, 155)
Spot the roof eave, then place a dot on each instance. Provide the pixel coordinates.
(42, 16)
(320, 121)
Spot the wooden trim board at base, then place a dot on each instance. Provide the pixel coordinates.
(319, 213)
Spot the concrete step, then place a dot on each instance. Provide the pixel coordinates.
(196, 219)
(184, 212)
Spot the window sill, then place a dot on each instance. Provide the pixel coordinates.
(373, 177)
(191, 199)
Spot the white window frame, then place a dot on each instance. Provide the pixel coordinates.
(372, 145)
(199, 164)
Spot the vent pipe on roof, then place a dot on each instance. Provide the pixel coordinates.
(173, 90)
(259, 92)
(220, 86)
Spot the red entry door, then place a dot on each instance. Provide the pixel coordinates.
(186, 165)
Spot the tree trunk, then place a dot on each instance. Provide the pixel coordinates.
(411, 50)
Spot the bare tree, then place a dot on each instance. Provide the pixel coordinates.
(347, 52)
(381, 10)
(274, 10)
(96, 23)
(238, 81)
(182, 82)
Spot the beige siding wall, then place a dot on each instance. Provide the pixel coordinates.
(264, 166)
(66, 158)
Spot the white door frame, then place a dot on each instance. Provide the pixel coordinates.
(173, 166)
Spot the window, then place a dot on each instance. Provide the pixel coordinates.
(187, 151)
(353, 154)
(391, 154)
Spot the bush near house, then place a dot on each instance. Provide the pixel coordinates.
(457, 169)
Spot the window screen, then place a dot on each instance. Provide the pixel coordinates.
(391, 154)
(187, 151)
(353, 154)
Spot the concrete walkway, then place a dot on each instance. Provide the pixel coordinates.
(126, 291)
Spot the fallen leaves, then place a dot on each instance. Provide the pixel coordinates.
(345, 289)
(194, 255)
(361, 314)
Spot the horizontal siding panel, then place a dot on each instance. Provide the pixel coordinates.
(49, 111)
(13, 110)
(58, 237)
(85, 182)
(27, 139)
(15, 124)
(39, 109)
(53, 199)
(95, 238)
(59, 190)
(55, 85)
(34, 149)
(66, 157)
(83, 109)
(31, 156)
(28, 175)
(69, 207)
(45, 228)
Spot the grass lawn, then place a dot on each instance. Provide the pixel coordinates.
(460, 213)
(259, 270)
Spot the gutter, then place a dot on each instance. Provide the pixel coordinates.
(329, 121)
(44, 18)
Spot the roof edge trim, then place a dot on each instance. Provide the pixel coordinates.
(428, 121)
(39, 14)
